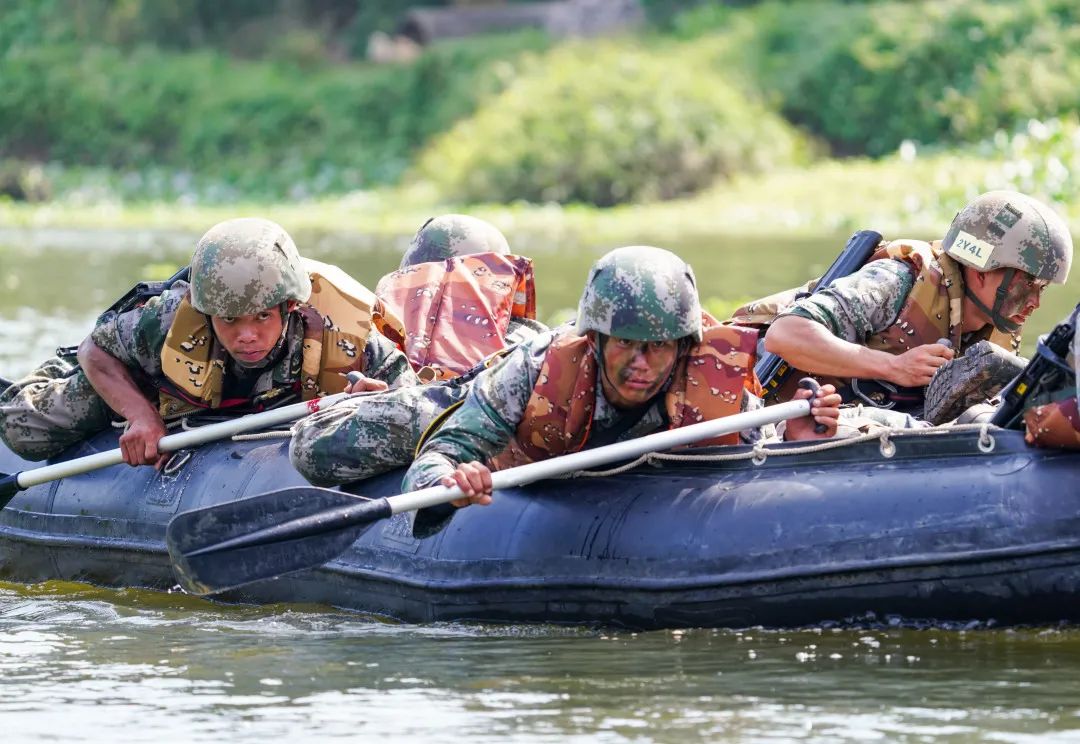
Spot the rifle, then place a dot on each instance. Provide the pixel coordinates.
(771, 369)
(1049, 360)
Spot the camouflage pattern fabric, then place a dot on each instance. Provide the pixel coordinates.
(49, 410)
(911, 294)
(520, 330)
(1008, 229)
(244, 266)
(137, 337)
(708, 382)
(453, 235)
(640, 293)
(372, 433)
(860, 305)
(973, 378)
(496, 403)
(457, 312)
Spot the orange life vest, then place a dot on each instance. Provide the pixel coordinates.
(707, 383)
(456, 311)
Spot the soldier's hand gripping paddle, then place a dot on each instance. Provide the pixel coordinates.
(11, 484)
(226, 546)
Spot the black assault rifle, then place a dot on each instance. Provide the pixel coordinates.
(1049, 362)
(771, 369)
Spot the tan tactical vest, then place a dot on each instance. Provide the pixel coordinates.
(708, 383)
(931, 311)
(456, 312)
(337, 319)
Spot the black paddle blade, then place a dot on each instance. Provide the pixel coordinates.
(9, 486)
(226, 546)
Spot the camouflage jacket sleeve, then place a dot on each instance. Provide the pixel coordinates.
(383, 360)
(137, 336)
(485, 422)
(856, 307)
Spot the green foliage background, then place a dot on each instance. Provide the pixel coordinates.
(210, 102)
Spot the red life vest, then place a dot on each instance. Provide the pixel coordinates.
(456, 312)
(708, 382)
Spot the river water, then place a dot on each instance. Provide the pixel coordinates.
(84, 664)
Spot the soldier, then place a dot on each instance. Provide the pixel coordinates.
(257, 326)
(883, 323)
(461, 295)
(641, 357)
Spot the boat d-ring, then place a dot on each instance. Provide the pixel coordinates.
(986, 441)
(178, 460)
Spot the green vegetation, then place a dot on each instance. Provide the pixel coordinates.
(602, 124)
(867, 76)
(201, 102)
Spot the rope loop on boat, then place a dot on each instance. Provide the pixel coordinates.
(760, 454)
(886, 446)
(986, 440)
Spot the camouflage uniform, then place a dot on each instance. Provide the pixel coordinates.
(860, 305)
(916, 295)
(495, 404)
(637, 293)
(373, 433)
(56, 406)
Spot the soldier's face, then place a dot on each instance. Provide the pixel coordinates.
(634, 371)
(1022, 298)
(249, 338)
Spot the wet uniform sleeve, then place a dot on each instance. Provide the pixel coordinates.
(857, 306)
(485, 422)
(137, 336)
(383, 360)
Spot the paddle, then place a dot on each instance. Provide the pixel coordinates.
(11, 484)
(228, 545)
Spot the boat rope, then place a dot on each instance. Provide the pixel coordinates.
(761, 451)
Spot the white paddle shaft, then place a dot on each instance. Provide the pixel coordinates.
(534, 471)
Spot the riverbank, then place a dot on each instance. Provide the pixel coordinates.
(914, 196)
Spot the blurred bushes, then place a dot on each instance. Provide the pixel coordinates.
(868, 76)
(269, 130)
(604, 123)
(1041, 158)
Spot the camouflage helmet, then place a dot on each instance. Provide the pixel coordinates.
(245, 266)
(1008, 229)
(641, 293)
(452, 235)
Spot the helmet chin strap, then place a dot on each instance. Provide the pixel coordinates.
(1000, 322)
